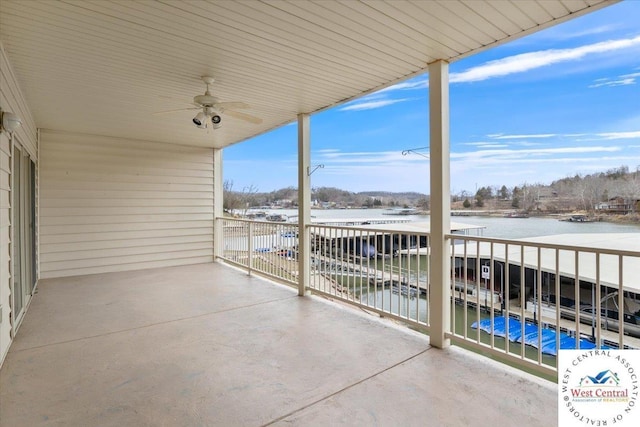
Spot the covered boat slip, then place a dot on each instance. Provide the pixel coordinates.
(608, 271)
(607, 266)
(209, 345)
(380, 239)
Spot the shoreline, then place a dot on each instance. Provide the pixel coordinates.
(631, 218)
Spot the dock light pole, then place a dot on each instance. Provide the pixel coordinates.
(535, 298)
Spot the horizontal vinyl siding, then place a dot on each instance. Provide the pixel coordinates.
(5, 254)
(112, 204)
(12, 100)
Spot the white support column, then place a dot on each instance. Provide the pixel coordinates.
(304, 202)
(218, 204)
(440, 271)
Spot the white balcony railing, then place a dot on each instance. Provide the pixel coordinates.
(268, 248)
(380, 271)
(539, 301)
(515, 300)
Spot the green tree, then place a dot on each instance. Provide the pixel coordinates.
(466, 204)
(504, 192)
(484, 193)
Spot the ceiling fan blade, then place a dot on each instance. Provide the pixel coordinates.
(175, 111)
(233, 105)
(243, 116)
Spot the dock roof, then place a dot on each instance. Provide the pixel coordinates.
(612, 249)
(416, 227)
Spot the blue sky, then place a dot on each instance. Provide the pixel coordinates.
(560, 102)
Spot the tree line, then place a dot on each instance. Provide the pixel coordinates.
(578, 192)
(248, 197)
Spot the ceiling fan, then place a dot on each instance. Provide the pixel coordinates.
(211, 109)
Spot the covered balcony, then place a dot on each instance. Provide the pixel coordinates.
(120, 298)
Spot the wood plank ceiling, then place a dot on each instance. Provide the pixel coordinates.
(104, 67)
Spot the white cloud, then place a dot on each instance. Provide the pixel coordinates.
(373, 157)
(526, 136)
(408, 85)
(590, 31)
(532, 60)
(620, 135)
(623, 80)
(369, 105)
(528, 152)
(486, 144)
(381, 98)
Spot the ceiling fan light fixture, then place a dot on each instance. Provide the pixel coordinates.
(200, 120)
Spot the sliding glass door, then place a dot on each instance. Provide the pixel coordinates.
(23, 222)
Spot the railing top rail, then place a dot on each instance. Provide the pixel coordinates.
(546, 245)
(372, 230)
(482, 239)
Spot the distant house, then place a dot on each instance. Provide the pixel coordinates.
(283, 203)
(547, 193)
(618, 205)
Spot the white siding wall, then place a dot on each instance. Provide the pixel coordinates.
(111, 204)
(12, 100)
(5, 258)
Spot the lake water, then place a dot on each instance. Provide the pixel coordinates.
(498, 227)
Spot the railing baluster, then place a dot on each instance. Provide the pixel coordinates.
(558, 297)
(620, 301)
(538, 302)
(250, 248)
(478, 275)
(598, 303)
(491, 276)
(507, 297)
(577, 302)
(523, 290)
(465, 303)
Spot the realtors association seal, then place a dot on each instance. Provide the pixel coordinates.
(599, 388)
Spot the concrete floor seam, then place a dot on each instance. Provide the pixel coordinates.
(149, 325)
(335, 393)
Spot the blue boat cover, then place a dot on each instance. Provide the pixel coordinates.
(546, 339)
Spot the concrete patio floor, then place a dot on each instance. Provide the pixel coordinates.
(207, 345)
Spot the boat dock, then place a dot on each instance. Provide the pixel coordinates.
(567, 327)
(373, 276)
(357, 221)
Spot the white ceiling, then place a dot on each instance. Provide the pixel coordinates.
(103, 67)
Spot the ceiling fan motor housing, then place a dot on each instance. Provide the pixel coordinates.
(205, 100)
